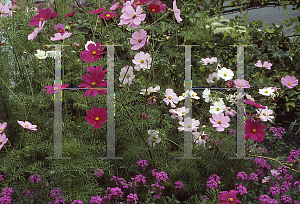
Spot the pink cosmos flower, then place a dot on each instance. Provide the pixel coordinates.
(114, 7)
(36, 31)
(219, 121)
(69, 14)
(126, 4)
(266, 64)
(96, 117)
(258, 105)
(178, 112)
(230, 111)
(171, 98)
(2, 127)
(134, 18)
(176, 12)
(108, 15)
(93, 53)
(27, 125)
(228, 198)
(138, 39)
(3, 140)
(255, 132)
(94, 80)
(4, 10)
(289, 81)
(129, 75)
(142, 60)
(59, 36)
(241, 84)
(98, 11)
(266, 179)
(189, 124)
(154, 8)
(163, 7)
(55, 88)
(141, 2)
(60, 28)
(44, 15)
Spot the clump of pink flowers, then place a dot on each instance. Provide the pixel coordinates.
(142, 163)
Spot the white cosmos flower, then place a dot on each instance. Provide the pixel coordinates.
(267, 91)
(248, 96)
(264, 114)
(153, 137)
(218, 107)
(182, 97)
(206, 94)
(41, 54)
(129, 76)
(225, 74)
(193, 94)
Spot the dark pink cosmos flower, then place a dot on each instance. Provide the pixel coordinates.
(60, 28)
(96, 117)
(93, 53)
(228, 198)
(108, 15)
(70, 14)
(254, 131)
(1, 43)
(153, 8)
(44, 15)
(258, 105)
(55, 88)
(94, 80)
(98, 11)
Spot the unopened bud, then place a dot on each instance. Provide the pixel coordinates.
(204, 126)
(76, 45)
(121, 86)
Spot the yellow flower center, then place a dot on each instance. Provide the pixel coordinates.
(189, 126)
(139, 40)
(193, 95)
(253, 130)
(0, 142)
(138, 2)
(142, 61)
(107, 15)
(41, 19)
(153, 10)
(127, 75)
(61, 37)
(289, 83)
(230, 199)
(94, 52)
(133, 16)
(266, 91)
(267, 179)
(240, 85)
(225, 74)
(94, 84)
(97, 118)
(0, 129)
(219, 122)
(170, 97)
(256, 117)
(60, 30)
(182, 112)
(218, 109)
(229, 109)
(264, 114)
(26, 125)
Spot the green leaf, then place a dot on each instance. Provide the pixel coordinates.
(211, 45)
(284, 7)
(287, 13)
(230, 3)
(289, 104)
(270, 30)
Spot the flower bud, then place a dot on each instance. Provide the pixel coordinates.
(169, 38)
(70, 22)
(76, 44)
(120, 86)
(67, 27)
(204, 126)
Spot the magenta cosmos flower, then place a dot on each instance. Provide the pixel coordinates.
(171, 98)
(133, 18)
(108, 15)
(228, 198)
(94, 80)
(93, 53)
(2, 127)
(265, 65)
(60, 28)
(219, 121)
(154, 8)
(96, 117)
(139, 39)
(258, 105)
(27, 125)
(4, 10)
(289, 81)
(36, 31)
(55, 88)
(98, 11)
(44, 15)
(254, 131)
(69, 14)
(3, 140)
(176, 12)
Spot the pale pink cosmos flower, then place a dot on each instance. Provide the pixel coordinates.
(59, 36)
(134, 18)
(129, 75)
(275, 172)
(176, 12)
(138, 39)
(179, 112)
(289, 81)
(205, 61)
(200, 138)
(127, 3)
(171, 98)
(36, 31)
(27, 125)
(150, 90)
(4, 10)
(264, 114)
(189, 124)
(2, 127)
(266, 179)
(114, 7)
(265, 65)
(219, 121)
(142, 60)
(230, 111)
(241, 84)
(3, 140)
(212, 78)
